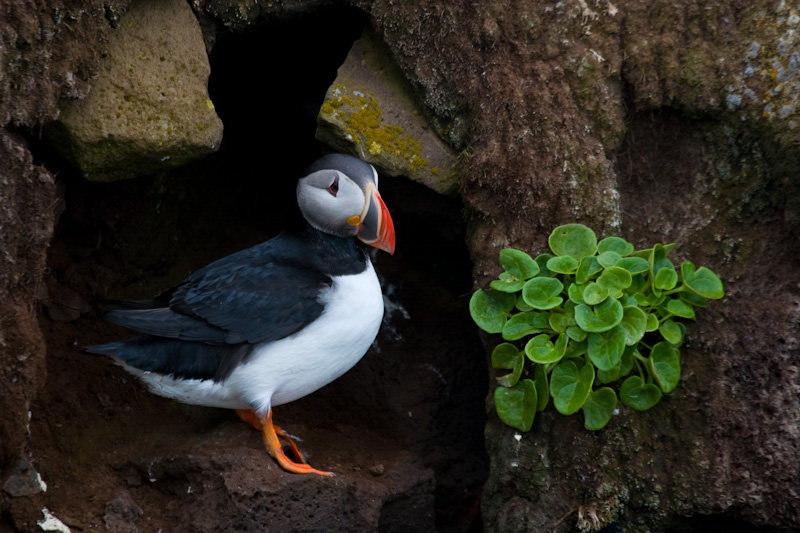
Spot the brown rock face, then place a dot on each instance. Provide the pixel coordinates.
(149, 109)
(655, 121)
(660, 121)
(398, 430)
(26, 221)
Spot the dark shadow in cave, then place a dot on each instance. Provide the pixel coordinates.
(267, 85)
(424, 383)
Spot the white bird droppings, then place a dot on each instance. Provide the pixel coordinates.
(51, 523)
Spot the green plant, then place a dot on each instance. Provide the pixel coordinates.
(588, 313)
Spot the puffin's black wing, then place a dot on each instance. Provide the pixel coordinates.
(203, 327)
(255, 295)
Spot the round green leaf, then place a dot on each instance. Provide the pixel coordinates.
(516, 406)
(665, 364)
(639, 395)
(577, 334)
(542, 260)
(589, 267)
(610, 376)
(541, 350)
(558, 322)
(667, 278)
(605, 350)
(542, 388)
(522, 325)
(593, 294)
(598, 408)
(693, 299)
(671, 331)
(576, 348)
(574, 240)
(570, 387)
(657, 299)
(628, 301)
(507, 283)
(615, 244)
(652, 322)
(541, 320)
(599, 318)
(702, 282)
(575, 293)
(543, 293)
(490, 308)
(626, 365)
(680, 308)
(658, 260)
(521, 305)
(633, 324)
(562, 265)
(634, 265)
(518, 264)
(607, 259)
(561, 321)
(507, 356)
(569, 310)
(615, 277)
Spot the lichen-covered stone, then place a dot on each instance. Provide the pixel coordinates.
(149, 108)
(370, 112)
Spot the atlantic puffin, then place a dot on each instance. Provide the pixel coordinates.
(270, 324)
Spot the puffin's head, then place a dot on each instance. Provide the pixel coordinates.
(339, 196)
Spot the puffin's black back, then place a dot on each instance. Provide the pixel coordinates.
(203, 327)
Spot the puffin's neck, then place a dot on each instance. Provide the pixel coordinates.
(336, 256)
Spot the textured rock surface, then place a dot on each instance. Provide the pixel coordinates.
(661, 120)
(149, 108)
(545, 89)
(26, 223)
(370, 111)
(398, 430)
(40, 63)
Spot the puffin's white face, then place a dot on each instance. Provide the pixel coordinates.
(346, 204)
(328, 199)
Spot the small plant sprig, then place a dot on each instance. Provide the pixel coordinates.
(591, 313)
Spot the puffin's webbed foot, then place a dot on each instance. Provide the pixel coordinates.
(272, 436)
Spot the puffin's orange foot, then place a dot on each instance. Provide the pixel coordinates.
(249, 416)
(272, 435)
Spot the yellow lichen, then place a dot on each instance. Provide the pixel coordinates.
(364, 125)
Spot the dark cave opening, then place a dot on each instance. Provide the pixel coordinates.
(268, 84)
(424, 384)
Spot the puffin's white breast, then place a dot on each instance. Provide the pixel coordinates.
(283, 371)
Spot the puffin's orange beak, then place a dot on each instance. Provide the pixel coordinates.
(376, 228)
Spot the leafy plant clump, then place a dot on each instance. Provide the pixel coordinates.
(589, 315)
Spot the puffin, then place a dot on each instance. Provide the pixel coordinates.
(273, 323)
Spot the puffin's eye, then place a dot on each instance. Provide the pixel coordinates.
(333, 188)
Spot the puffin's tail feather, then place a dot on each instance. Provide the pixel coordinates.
(180, 359)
